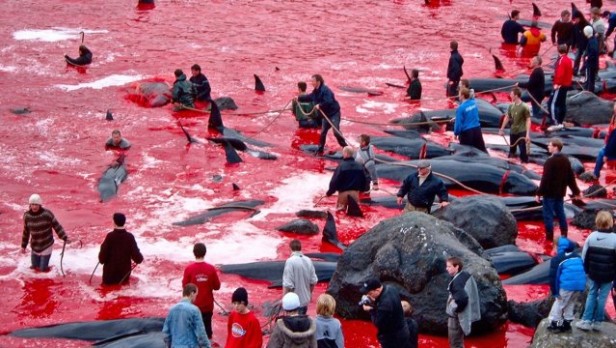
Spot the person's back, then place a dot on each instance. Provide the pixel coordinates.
(329, 330)
(299, 275)
(294, 332)
(349, 176)
(183, 327)
(117, 251)
(467, 116)
(511, 28)
(557, 175)
(599, 256)
(182, 90)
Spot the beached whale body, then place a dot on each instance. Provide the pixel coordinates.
(482, 177)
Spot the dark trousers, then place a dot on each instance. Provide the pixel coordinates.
(452, 88)
(335, 119)
(521, 145)
(309, 123)
(591, 74)
(40, 262)
(576, 62)
(473, 137)
(207, 321)
(536, 107)
(551, 207)
(558, 104)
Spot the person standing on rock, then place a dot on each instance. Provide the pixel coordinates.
(462, 304)
(325, 103)
(383, 303)
(38, 225)
(299, 276)
(599, 255)
(567, 282)
(420, 189)
(557, 175)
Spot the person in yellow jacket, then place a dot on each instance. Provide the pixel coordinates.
(532, 39)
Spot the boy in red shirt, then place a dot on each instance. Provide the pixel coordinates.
(563, 80)
(243, 328)
(205, 277)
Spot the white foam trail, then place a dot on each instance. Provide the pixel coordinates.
(53, 35)
(371, 106)
(303, 188)
(8, 68)
(109, 81)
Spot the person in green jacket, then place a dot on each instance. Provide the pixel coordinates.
(181, 93)
(303, 111)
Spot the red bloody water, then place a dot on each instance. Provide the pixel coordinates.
(57, 150)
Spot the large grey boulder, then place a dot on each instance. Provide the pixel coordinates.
(486, 218)
(409, 251)
(606, 338)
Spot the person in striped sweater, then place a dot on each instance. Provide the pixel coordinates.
(38, 223)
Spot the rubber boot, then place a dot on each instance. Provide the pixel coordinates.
(566, 326)
(554, 327)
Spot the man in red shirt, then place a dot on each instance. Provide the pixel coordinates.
(243, 328)
(205, 277)
(563, 79)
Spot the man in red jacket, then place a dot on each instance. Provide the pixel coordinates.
(563, 79)
(205, 277)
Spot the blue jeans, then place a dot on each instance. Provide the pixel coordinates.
(599, 163)
(40, 262)
(551, 207)
(594, 310)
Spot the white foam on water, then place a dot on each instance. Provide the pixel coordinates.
(53, 35)
(296, 193)
(371, 106)
(8, 68)
(109, 81)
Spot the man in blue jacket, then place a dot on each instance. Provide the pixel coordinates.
(326, 104)
(567, 281)
(467, 127)
(184, 326)
(421, 187)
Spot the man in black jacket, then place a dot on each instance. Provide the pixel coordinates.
(414, 90)
(325, 102)
(386, 314)
(535, 86)
(421, 187)
(557, 175)
(580, 41)
(511, 28)
(454, 70)
(562, 30)
(117, 251)
(200, 84)
(348, 179)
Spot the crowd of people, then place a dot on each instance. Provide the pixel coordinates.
(189, 322)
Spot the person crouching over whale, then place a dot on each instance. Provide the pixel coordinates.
(420, 189)
(85, 57)
(181, 93)
(348, 179)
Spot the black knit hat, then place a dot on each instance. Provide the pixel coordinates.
(119, 219)
(240, 295)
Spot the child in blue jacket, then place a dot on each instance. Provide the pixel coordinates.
(567, 281)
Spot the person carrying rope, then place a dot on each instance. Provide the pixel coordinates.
(325, 102)
(519, 114)
(535, 86)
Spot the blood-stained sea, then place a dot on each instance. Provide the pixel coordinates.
(57, 149)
